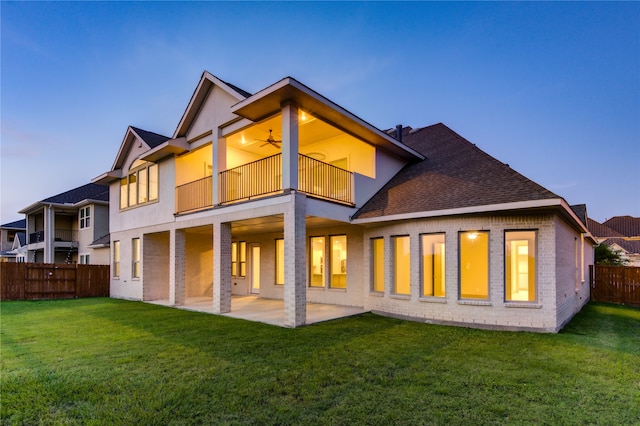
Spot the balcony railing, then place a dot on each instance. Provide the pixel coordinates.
(251, 180)
(264, 177)
(194, 195)
(60, 235)
(324, 180)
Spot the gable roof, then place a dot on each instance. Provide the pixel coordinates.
(599, 230)
(88, 192)
(18, 224)
(150, 138)
(455, 175)
(626, 225)
(629, 246)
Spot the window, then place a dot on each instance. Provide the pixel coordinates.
(84, 259)
(85, 217)
(316, 263)
(520, 266)
(338, 261)
(243, 258)
(474, 265)
(135, 258)
(280, 261)
(116, 259)
(401, 265)
(234, 259)
(377, 264)
(433, 270)
(239, 259)
(140, 186)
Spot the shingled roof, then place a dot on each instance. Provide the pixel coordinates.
(626, 225)
(150, 138)
(599, 230)
(18, 224)
(454, 175)
(90, 191)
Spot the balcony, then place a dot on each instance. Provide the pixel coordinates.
(60, 235)
(264, 177)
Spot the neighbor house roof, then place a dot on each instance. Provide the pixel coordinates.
(599, 230)
(90, 191)
(18, 224)
(630, 246)
(626, 225)
(455, 175)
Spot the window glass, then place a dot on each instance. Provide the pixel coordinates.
(474, 265)
(377, 264)
(116, 258)
(433, 254)
(520, 266)
(142, 186)
(133, 195)
(124, 197)
(280, 261)
(401, 265)
(234, 259)
(85, 219)
(135, 256)
(153, 182)
(338, 253)
(242, 255)
(317, 262)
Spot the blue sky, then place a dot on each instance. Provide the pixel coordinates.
(552, 89)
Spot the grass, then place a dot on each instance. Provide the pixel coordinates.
(104, 361)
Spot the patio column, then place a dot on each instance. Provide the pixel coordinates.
(295, 257)
(49, 234)
(289, 146)
(221, 267)
(219, 162)
(177, 259)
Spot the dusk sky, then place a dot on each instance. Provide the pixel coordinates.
(552, 89)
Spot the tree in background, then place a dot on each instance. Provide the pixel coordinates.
(604, 255)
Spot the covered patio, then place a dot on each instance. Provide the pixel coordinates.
(268, 311)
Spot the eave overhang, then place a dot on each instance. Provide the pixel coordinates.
(269, 101)
(555, 205)
(108, 177)
(169, 148)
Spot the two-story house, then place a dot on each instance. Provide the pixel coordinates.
(68, 227)
(287, 195)
(11, 235)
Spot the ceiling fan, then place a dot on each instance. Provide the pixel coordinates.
(270, 140)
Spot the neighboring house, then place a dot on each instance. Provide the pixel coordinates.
(8, 234)
(621, 234)
(287, 195)
(62, 228)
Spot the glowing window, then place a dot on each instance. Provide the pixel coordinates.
(116, 259)
(234, 259)
(316, 263)
(338, 254)
(520, 266)
(474, 265)
(433, 265)
(242, 256)
(401, 265)
(135, 258)
(377, 264)
(280, 261)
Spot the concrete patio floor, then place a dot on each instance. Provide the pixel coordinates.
(269, 311)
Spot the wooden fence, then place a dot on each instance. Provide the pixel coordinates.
(615, 284)
(36, 281)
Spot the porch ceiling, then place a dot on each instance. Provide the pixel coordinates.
(275, 223)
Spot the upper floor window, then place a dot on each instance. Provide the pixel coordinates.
(85, 217)
(140, 186)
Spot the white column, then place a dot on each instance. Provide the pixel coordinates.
(219, 164)
(49, 234)
(295, 267)
(221, 267)
(289, 146)
(177, 259)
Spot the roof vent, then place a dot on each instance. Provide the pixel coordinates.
(399, 132)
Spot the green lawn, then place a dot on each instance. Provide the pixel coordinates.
(103, 361)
